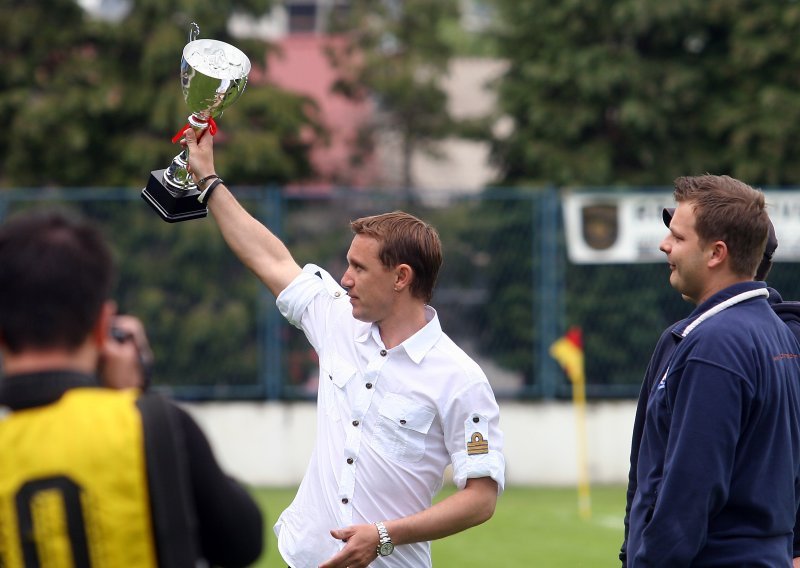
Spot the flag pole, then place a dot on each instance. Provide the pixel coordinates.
(584, 494)
(568, 351)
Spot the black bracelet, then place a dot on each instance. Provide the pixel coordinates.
(205, 179)
(206, 195)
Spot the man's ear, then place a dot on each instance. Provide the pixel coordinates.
(718, 253)
(404, 275)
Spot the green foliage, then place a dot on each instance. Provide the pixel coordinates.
(507, 325)
(642, 91)
(198, 301)
(85, 102)
(467, 43)
(622, 310)
(635, 93)
(199, 304)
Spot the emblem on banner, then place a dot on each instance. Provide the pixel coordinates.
(600, 225)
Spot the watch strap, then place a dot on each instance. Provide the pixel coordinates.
(385, 545)
(201, 182)
(206, 194)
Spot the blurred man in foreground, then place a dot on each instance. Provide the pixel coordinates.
(717, 470)
(91, 475)
(398, 401)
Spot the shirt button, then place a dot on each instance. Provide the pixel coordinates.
(337, 294)
(383, 352)
(402, 422)
(356, 422)
(476, 419)
(345, 501)
(350, 460)
(368, 385)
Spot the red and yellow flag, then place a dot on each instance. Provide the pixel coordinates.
(568, 351)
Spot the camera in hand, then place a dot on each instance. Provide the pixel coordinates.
(121, 335)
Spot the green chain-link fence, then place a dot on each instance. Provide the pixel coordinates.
(506, 290)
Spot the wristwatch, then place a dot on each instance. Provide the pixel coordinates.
(385, 546)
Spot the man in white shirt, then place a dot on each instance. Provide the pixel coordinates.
(398, 401)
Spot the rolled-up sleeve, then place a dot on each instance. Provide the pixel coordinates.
(312, 291)
(474, 436)
(295, 298)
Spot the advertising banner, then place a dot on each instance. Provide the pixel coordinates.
(608, 228)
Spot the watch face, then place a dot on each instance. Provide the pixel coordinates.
(386, 549)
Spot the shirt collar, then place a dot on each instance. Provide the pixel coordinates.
(30, 390)
(416, 346)
(716, 299)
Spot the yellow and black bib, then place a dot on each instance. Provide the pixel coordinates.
(64, 503)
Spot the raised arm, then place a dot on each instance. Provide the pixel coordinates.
(255, 245)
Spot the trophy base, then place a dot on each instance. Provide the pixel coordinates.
(169, 207)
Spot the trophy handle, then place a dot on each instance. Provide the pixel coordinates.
(194, 31)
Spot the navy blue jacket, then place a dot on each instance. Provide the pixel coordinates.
(789, 312)
(715, 457)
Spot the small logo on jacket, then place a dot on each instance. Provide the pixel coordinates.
(663, 382)
(785, 356)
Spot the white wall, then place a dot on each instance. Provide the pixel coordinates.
(268, 444)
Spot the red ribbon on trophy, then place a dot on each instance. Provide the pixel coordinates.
(212, 128)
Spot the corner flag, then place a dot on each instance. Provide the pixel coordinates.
(568, 351)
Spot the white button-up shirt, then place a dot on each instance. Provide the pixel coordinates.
(388, 423)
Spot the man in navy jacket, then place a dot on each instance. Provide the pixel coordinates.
(789, 312)
(716, 447)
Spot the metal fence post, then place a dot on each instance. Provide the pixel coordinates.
(548, 281)
(271, 211)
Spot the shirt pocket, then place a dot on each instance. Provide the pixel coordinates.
(335, 373)
(401, 428)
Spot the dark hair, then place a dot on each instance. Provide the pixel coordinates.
(56, 272)
(404, 239)
(731, 211)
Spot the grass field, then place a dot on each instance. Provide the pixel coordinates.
(532, 527)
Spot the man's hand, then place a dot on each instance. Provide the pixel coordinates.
(201, 154)
(361, 548)
(126, 357)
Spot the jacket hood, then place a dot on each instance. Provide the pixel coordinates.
(787, 311)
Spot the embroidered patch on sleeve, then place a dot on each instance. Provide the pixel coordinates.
(476, 434)
(477, 445)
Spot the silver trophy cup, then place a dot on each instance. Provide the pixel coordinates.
(213, 76)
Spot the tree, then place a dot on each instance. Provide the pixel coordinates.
(635, 93)
(395, 53)
(87, 102)
(638, 92)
